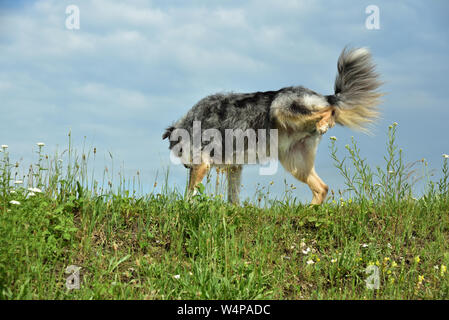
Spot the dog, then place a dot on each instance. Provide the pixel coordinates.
(299, 115)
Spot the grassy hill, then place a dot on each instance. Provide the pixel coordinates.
(162, 246)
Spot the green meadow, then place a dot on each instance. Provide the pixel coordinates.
(374, 240)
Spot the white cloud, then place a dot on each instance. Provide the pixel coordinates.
(135, 66)
(110, 97)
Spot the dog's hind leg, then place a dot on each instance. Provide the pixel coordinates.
(327, 121)
(234, 174)
(318, 187)
(299, 161)
(196, 175)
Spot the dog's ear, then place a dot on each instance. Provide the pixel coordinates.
(168, 132)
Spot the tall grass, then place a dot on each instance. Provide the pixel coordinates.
(131, 245)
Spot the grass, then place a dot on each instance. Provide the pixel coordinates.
(160, 246)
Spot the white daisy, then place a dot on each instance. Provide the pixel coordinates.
(14, 202)
(40, 144)
(309, 262)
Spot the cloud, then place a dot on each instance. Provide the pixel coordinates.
(136, 66)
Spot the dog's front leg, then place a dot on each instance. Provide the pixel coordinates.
(196, 175)
(234, 174)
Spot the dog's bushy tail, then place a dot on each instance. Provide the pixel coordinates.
(356, 85)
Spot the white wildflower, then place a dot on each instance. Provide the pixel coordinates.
(18, 182)
(4, 146)
(31, 194)
(40, 144)
(35, 190)
(334, 260)
(177, 276)
(306, 251)
(12, 192)
(364, 245)
(445, 156)
(309, 262)
(14, 202)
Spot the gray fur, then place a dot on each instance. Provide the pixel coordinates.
(356, 87)
(240, 110)
(244, 111)
(356, 98)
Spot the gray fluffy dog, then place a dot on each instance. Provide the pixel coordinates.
(299, 115)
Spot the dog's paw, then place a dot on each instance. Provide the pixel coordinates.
(323, 128)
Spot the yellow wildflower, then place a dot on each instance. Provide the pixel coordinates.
(443, 269)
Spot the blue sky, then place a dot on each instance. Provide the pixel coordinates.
(134, 67)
